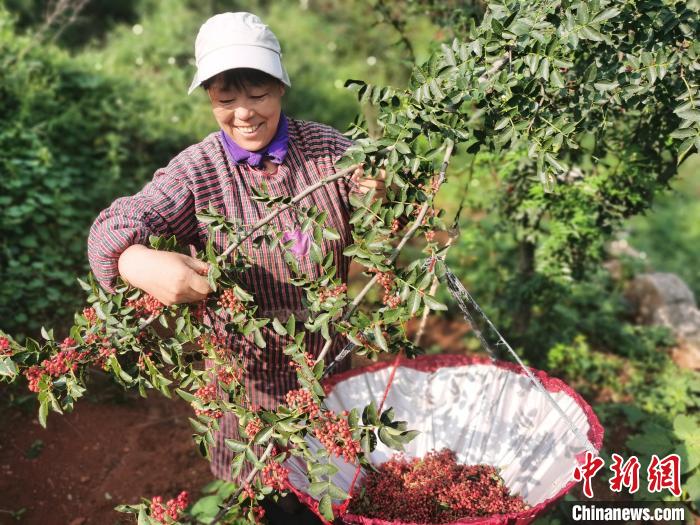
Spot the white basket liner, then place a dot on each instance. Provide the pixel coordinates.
(483, 412)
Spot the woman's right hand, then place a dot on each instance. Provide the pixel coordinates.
(170, 277)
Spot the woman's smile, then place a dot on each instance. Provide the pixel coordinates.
(249, 116)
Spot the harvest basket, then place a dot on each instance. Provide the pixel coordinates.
(485, 411)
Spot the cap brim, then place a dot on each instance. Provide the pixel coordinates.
(233, 57)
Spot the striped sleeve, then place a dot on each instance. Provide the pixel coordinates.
(165, 206)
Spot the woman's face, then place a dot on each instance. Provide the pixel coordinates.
(250, 116)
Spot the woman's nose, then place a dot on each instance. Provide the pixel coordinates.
(243, 113)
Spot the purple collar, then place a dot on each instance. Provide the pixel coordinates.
(276, 150)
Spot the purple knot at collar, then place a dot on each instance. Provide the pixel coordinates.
(276, 150)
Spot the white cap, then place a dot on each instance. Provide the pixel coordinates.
(233, 40)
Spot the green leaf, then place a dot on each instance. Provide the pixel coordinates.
(291, 325)
(7, 367)
(692, 487)
(683, 133)
(606, 14)
(259, 339)
(686, 427)
(689, 454)
(43, 412)
(403, 148)
(605, 86)
(236, 446)
(325, 507)
(413, 302)
(556, 79)
(198, 426)
(379, 338)
(185, 395)
(651, 442)
(337, 493)
(278, 327)
(317, 488)
(433, 304)
(330, 234)
(690, 114)
(264, 435)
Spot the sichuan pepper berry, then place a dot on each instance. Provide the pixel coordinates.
(5, 349)
(386, 280)
(274, 476)
(146, 306)
(327, 293)
(309, 362)
(303, 401)
(229, 301)
(34, 375)
(171, 509)
(207, 394)
(253, 427)
(335, 435)
(433, 489)
(90, 315)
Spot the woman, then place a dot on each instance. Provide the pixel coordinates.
(239, 65)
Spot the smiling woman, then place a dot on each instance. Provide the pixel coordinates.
(239, 66)
(247, 105)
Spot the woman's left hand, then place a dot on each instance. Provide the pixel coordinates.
(361, 184)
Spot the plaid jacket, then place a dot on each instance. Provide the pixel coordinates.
(202, 175)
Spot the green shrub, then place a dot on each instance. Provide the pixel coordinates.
(72, 139)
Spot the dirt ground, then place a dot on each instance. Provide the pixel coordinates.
(103, 454)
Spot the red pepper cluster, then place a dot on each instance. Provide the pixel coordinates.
(207, 394)
(172, 508)
(309, 362)
(199, 311)
(331, 430)
(274, 476)
(253, 427)
(218, 343)
(90, 315)
(105, 350)
(258, 513)
(302, 400)
(5, 349)
(229, 374)
(229, 301)
(386, 280)
(146, 306)
(141, 363)
(66, 359)
(433, 489)
(334, 434)
(327, 293)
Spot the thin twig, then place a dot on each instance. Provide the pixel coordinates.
(249, 478)
(265, 220)
(454, 233)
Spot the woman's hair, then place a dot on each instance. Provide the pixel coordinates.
(241, 78)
